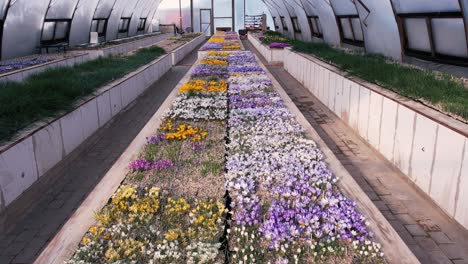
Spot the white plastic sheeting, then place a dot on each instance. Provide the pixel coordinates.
(376, 25)
(24, 24)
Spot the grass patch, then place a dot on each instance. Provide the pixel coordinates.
(48, 93)
(272, 36)
(440, 90)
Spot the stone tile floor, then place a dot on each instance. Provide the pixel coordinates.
(77, 177)
(431, 235)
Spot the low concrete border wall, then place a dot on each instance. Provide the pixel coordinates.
(427, 146)
(23, 162)
(87, 55)
(270, 55)
(180, 53)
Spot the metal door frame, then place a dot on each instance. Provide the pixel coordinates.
(211, 20)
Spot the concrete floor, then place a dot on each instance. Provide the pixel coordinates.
(74, 178)
(429, 233)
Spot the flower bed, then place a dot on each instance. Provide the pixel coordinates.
(274, 40)
(24, 63)
(225, 41)
(169, 208)
(285, 205)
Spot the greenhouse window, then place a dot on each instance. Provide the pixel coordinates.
(124, 24)
(55, 31)
(99, 25)
(425, 35)
(296, 25)
(276, 23)
(142, 24)
(315, 27)
(283, 23)
(350, 30)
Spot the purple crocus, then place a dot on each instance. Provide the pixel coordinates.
(279, 45)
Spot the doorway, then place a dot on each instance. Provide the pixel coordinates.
(205, 21)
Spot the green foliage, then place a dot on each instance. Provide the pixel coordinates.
(48, 93)
(440, 90)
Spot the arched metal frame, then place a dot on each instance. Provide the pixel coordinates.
(2, 22)
(375, 17)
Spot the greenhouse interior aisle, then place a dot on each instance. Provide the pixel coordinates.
(82, 172)
(429, 233)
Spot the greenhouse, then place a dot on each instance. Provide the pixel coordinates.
(233, 131)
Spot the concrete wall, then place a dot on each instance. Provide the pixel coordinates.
(180, 53)
(25, 161)
(87, 55)
(133, 45)
(425, 145)
(270, 55)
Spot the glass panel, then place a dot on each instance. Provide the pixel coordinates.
(222, 22)
(297, 27)
(61, 30)
(94, 26)
(417, 34)
(239, 15)
(317, 21)
(347, 33)
(48, 31)
(449, 29)
(101, 26)
(424, 6)
(123, 25)
(356, 23)
(205, 16)
(222, 8)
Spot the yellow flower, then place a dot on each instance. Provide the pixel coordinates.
(93, 230)
(85, 240)
(172, 235)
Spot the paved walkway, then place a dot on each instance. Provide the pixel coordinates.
(430, 234)
(77, 176)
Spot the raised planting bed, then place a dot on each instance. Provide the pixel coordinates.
(123, 46)
(72, 103)
(437, 90)
(426, 145)
(171, 201)
(273, 54)
(180, 53)
(19, 69)
(228, 129)
(221, 41)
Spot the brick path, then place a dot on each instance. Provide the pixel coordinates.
(429, 233)
(78, 175)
